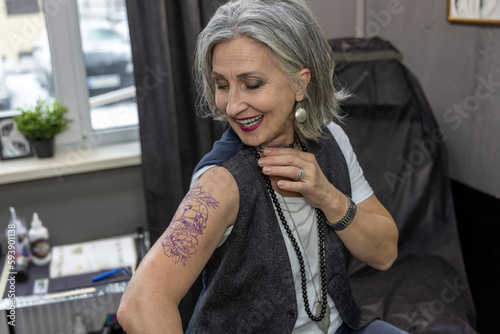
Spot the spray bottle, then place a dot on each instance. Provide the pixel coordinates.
(16, 235)
(17, 241)
(38, 236)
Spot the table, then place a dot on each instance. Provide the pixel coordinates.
(55, 311)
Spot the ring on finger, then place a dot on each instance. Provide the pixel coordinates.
(300, 176)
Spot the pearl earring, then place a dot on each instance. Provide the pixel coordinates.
(300, 114)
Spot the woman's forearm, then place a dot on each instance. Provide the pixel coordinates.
(372, 236)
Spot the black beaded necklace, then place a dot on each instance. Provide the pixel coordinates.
(322, 263)
(261, 148)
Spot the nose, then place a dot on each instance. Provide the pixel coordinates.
(235, 102)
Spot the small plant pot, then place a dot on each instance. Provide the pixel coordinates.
(44, 148)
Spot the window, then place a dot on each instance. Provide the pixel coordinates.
(78, 52)
(108, 58)
(20, 28)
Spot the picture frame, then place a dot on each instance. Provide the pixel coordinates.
(474, 11)
(13, 144)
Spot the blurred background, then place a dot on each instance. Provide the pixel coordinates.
(26, 62)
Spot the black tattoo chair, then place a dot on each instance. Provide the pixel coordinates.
(401, 151)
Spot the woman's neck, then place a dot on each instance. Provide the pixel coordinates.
(261, 148)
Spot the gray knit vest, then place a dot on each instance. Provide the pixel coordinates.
(248, 282)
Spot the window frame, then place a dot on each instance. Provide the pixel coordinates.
(68, 63)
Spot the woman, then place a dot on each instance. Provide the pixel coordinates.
(268, 219)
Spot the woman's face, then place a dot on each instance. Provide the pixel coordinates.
(254, 93)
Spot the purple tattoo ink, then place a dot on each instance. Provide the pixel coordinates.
(182, 234)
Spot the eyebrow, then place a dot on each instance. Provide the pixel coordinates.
(241, 75)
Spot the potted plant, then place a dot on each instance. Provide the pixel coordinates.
(41, 122)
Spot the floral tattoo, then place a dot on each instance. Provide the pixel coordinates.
(182, 234)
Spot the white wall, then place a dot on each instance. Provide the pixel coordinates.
(337, 18)
(80, 207)
(454, 63)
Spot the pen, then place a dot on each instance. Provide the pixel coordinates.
(106, 274)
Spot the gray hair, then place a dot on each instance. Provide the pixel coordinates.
(294, 40)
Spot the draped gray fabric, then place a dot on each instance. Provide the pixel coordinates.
(397, 142)
(173, 138)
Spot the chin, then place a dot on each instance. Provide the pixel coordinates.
(248, 141)
(248, 138)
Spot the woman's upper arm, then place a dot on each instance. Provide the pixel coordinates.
(180, 254)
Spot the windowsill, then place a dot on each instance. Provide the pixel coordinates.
(70, 162)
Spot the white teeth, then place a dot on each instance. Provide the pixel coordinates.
(251, 121)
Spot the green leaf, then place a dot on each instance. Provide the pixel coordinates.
(43, 120)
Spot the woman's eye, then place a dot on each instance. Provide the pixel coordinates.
(254, 85)
(221, 84)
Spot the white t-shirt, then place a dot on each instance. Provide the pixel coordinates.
(301, 218)
(302, 222)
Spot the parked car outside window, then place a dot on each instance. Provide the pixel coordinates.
(107, 54)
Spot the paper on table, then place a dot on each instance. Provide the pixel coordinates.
(93, 256)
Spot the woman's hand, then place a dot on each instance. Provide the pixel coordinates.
(285, 164)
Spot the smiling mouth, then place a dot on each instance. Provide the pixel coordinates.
(249, 122)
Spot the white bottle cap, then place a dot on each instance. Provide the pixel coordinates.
(36, 222)
(13, 216)
(18, 223)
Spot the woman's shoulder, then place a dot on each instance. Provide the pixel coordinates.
(218, 183)
(216, 177)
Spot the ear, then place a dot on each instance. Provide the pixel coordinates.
(302, 81)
